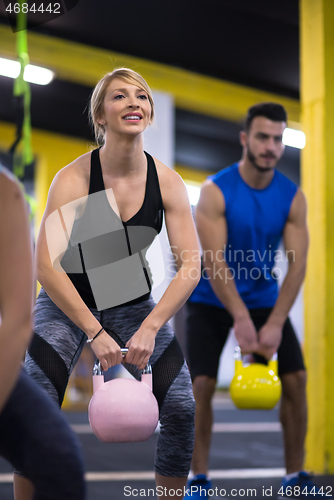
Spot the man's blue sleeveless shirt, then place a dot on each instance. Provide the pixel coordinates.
(255, 221)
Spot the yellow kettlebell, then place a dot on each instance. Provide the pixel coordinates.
(255, 386)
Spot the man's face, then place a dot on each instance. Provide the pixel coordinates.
(263, 143)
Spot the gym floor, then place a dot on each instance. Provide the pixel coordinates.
(246, 458)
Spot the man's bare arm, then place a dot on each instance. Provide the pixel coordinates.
(296, 240)
(212, 230)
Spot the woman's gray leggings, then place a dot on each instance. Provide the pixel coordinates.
(57, 345)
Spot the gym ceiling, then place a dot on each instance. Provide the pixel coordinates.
(253, 44)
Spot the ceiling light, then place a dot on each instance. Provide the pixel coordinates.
(294, 138)
(36, 74)
(32, 74)
(9, 68)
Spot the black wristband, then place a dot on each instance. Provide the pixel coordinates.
(98, 333)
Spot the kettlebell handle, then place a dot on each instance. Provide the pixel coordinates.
(97, 370)
(238, 355)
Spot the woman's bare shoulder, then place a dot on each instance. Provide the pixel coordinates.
(71, 182)
(172, 187)
(78, 170)
(167, 176)
(74, 176)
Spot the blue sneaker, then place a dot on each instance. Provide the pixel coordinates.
(198, 487)
(303, 487)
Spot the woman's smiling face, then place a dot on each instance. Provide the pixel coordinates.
(127, 109)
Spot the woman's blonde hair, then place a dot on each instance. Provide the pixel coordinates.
(98, 95)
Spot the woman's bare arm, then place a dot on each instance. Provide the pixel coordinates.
(68, 188)
(16, 283)
(185, 247)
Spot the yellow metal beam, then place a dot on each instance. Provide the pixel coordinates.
(195, 176)
(317, 106)
(84, 64)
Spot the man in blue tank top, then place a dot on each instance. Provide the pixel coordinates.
(243, 213)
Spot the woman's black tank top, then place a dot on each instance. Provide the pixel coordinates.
(100, 238)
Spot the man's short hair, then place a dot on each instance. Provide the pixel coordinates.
(270, 110)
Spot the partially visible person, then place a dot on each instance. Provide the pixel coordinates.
(34, 437)
(243, 213)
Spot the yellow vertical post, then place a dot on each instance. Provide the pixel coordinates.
(317, 111)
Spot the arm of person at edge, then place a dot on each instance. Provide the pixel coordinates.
(16, 284)
(70, 185)
(185, 247)
(295, 239)
(212, 230)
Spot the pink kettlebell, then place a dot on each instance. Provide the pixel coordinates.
(123, 410)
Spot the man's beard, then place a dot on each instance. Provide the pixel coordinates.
(251, 158)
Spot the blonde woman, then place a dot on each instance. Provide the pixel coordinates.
(111, 204)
